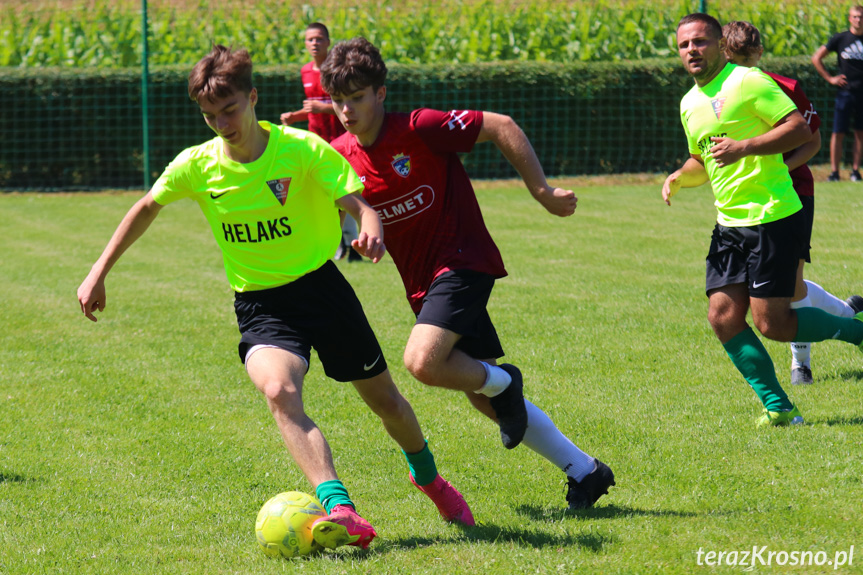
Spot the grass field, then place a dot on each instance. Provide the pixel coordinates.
(138, 445)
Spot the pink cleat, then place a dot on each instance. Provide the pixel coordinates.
(343, 526)
(449, 501)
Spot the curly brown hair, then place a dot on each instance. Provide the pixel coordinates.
(353, 65)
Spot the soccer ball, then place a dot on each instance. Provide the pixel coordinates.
(284, 524)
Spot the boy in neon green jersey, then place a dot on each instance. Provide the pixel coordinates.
(738, 123)
(271, 195)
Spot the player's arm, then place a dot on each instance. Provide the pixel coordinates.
(318, 107)
(370, 241)
(289, 118)
(790, 132)
(818, 62)
(91, 292)
(690, 175)
(805, 152)
(516, 148)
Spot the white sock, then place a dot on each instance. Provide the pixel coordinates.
(801, 351)
(496, 380)
(543, 437)
(825, 300)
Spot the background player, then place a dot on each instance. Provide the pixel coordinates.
(443, 251)
(271, 195)
(318, 111)
(738, 123)
(848, 46)
(743, 47)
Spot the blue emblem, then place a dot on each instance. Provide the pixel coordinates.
(402, 165)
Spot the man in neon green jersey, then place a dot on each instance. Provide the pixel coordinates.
(738, 123)
(272, 196)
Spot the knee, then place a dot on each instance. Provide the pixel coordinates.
(719, 318)
(280, 397)
(421, 364)
(386, 401)
(775, 328)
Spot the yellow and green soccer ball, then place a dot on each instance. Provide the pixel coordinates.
(284, 524)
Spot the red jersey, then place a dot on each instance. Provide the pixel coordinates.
(804, 183)
(416, 182)
(327, 126)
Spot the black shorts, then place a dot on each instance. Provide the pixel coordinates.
(321, 311)
(764, 257)
(808, 219)
(847, 105)
(456, 301)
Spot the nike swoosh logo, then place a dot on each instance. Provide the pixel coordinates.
(215, 196)
(374, 363)
(758, 285)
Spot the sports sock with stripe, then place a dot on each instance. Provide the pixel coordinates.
(815, 325)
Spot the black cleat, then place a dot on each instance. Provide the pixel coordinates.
(510, 409)
(855, 302)
(592, 487)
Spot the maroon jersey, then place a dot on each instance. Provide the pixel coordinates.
(327, 126)
(415, 180)
(804, 183)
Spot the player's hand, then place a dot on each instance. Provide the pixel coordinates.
(726, 151)
(840, 81)
(671, 186)
(287, 118)
(91, 296)
(371, 247)
(557, 201)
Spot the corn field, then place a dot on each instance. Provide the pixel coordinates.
(90, 33)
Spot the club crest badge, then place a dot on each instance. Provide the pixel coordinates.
(280, 188)
(402, 165)
(717, 104)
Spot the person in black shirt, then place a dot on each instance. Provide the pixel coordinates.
(848, 46)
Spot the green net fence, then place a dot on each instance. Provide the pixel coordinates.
(73, 126)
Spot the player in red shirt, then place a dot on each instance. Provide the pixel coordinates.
(318, 111)
(443, 251)
(317, 107)
(743, 47)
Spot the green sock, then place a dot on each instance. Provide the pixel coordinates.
(422, 465)
(332, 493)
(815, 324)
(752, 360)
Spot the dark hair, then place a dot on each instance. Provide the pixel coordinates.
(741, 38)
(712, 23)
(220, 73)
(320, 27)
(353, 65)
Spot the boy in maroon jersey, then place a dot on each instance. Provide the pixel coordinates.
(743, 47)
(443, 251)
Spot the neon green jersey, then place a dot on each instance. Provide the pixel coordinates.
(275, 219)
(741, 103)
